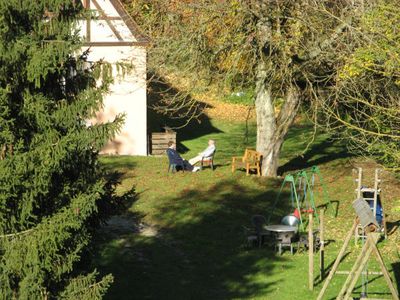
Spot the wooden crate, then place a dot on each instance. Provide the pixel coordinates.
(159, 141)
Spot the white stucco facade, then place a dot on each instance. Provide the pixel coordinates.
(111, 37)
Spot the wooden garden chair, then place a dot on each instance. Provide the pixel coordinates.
(251, 160)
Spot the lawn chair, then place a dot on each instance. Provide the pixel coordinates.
(257, 234)
(287, 240)
(303, 241)
(259, 222)
(173, 166)
(208, 160)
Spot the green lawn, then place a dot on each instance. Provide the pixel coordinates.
(192, 242)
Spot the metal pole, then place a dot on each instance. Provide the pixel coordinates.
(359, 195)
(359, 180)
(310, 253)
(322, 247)
(376, 186)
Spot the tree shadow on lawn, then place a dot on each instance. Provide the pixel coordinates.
(396, 272)
(319, 153)
(118, 166)
(189, 120)
(392, 226)
(199, 251)
(117, 162)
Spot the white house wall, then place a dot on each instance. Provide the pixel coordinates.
(126, 95)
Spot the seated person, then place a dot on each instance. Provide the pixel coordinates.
(176, 159)
(208, 152)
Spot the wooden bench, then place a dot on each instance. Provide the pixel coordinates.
(250, 160)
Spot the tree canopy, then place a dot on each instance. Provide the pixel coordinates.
(364, 104)
(280, 49)
(339, 57)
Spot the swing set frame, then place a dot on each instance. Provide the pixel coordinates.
(302, 193)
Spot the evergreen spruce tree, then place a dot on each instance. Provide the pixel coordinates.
(52, 190)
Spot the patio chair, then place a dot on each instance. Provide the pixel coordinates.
(257, 234)
(173, 166)
(259, 222)
(303, 240)
(208, 160)
(286, 240)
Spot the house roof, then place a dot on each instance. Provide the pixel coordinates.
(133, 27)
(139, 38)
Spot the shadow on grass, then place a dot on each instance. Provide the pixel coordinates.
(331, 207)
(321, 152)
(186, 117)
(199, 251)
(327, 269)
(396, 272)
(114, 162)
(392, 227)
(396, 281)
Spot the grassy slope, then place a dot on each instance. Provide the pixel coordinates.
(195, 248)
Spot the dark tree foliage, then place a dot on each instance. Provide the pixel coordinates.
(53, 193)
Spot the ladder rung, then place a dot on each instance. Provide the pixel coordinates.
(372, 190)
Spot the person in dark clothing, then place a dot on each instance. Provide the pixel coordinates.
(175, 158)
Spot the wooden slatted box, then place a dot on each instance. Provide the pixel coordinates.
(159, 141)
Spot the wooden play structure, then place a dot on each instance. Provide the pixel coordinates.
(251, 160)
(372, 196)
(368, 227)
(366, 219)
(312, 248)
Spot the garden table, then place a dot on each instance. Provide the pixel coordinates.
(284, 235)
(281, 228)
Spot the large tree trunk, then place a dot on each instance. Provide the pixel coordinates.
(272, 128)
(266, 120)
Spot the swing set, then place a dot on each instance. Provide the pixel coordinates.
(301, 187)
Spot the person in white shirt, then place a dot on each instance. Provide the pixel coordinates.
(208, 152)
